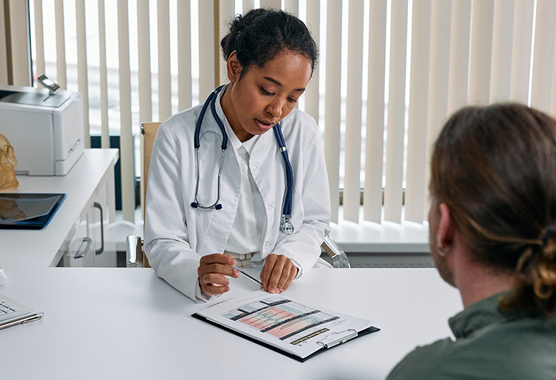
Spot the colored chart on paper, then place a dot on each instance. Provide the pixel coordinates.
(279, 317)
(275, 321)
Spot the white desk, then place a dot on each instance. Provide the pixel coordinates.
(40, 248)
(128, 324)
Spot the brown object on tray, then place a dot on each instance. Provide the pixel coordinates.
(7, 163)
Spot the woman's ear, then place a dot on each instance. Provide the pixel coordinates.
(233, 68)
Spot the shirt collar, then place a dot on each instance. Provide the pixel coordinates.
(478, 315)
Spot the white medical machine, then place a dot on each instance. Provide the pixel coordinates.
(44, 126)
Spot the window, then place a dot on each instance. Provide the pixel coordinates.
(390, 73)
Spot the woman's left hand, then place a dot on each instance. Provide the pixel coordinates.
(278, 273)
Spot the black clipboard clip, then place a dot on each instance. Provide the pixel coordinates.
(331, 340)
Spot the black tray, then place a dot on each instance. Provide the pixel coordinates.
(10, 218)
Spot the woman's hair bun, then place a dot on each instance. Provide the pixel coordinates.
(261, 34)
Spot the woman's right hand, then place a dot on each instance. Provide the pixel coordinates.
(212, 272)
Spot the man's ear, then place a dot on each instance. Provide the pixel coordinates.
(446, 228)
(233, 68)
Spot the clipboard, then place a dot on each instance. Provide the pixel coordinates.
(30, 211)
(21, 313)
(318, 337)
(367, 331)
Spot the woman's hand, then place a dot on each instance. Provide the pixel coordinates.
(278, 273)
(212, 272)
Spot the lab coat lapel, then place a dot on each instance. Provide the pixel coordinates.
(270, 180)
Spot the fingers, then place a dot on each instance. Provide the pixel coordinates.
(278, 273)
(212, 273)
(210, 287)
(217, 258)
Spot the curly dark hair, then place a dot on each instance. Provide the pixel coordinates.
(261, 34)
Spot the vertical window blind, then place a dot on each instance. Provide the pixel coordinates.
(390, 73)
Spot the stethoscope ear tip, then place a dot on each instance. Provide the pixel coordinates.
(196, 205)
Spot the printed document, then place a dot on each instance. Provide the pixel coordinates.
(284, 324)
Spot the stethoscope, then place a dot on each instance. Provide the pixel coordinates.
(285, 225)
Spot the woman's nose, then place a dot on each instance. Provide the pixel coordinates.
(275, 109)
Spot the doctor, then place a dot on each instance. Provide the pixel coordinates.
(221, 188)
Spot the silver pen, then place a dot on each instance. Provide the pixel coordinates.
(22, 320)
(251, 277)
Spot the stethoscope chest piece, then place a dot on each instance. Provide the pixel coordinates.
(286, 227)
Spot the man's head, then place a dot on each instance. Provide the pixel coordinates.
(493, 169)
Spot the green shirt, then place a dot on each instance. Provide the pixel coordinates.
(490, 344)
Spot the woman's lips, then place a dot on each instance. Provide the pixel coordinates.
(264, 125)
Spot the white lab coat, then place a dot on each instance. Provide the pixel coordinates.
(176, 234)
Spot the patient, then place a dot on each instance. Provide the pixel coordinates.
(493, 236)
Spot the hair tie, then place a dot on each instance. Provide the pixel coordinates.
(548, 234)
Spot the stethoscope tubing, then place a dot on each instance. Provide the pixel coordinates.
(287, 211)
(197, 144)
(210, 101)
(196, 203)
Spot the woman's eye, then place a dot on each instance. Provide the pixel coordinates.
(292, 100)
(266, 92)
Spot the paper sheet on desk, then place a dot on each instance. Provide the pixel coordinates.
(280, 322)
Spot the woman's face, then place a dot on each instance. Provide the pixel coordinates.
(254, 103)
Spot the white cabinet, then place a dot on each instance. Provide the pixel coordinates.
(78, 251)
(88, 244)
(79, 234)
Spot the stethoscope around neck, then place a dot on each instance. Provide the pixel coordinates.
(285, 225)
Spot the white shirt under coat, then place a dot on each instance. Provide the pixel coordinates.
(176, 234)
(246, 231)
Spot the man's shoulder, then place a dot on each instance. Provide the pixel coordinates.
(423, 362)
(530, 342)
